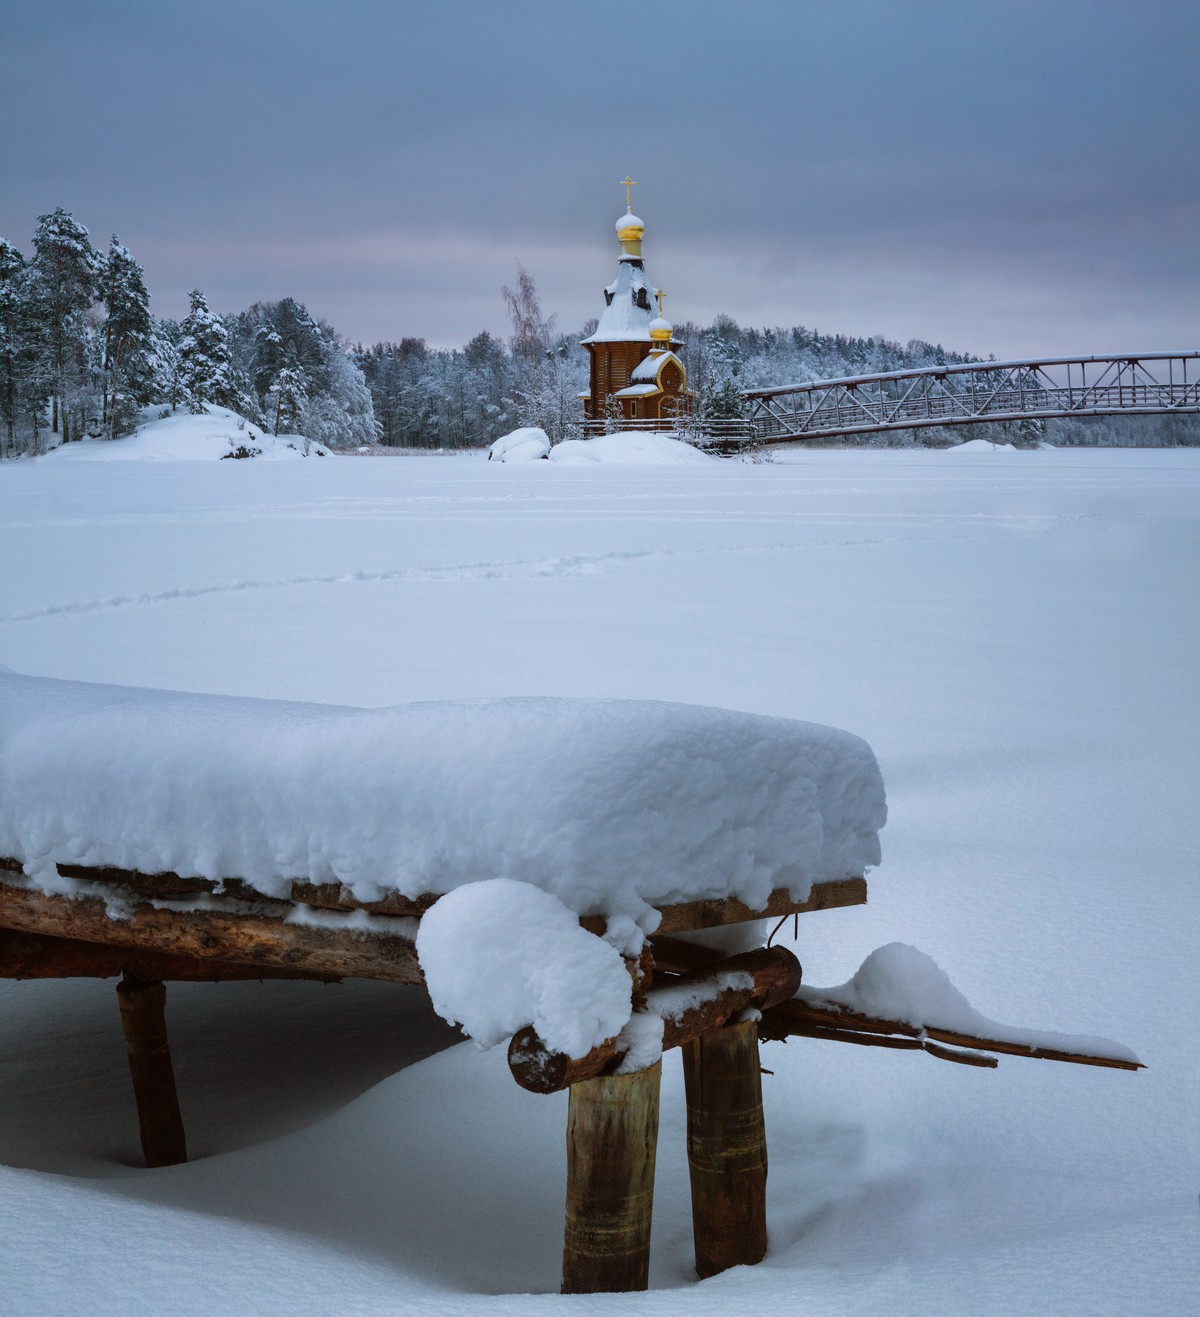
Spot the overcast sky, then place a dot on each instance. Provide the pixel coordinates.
(1010, 178)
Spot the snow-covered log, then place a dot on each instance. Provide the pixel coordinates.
(676, 1013)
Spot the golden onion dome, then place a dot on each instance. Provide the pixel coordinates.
(629, 227)
(661, 330)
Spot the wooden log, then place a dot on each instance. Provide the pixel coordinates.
(689, 1006)
(36, 956)
(230, 933)
(825, 1019)
(612, 1140)
(144, 1022)
(727, 1148)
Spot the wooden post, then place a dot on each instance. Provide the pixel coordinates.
(612, 1138)
(145, 1028)
(727, 1148)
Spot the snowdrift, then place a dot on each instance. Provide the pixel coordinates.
(610, 805)
(629, 448)
(528, 444)
(181, 437)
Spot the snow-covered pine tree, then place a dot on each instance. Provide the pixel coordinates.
(287, 397)
(127, 338)
(62, 285)
(167, 364)
(12, 266)
(207, 373)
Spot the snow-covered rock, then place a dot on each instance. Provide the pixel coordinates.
(614, 806)
(527, 444)
(629, 448)
(182, 437)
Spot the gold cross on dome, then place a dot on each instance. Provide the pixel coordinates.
(660, 295)
(628, 184)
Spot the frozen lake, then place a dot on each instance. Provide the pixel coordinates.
(1015, 633)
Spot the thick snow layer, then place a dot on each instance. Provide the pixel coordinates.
(1015, 634)
(612, 805)
(499, 955)
(898, 982)
(181, 437)
(629, 448)
(524, 445)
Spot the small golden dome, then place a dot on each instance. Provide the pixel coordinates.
(661, 330)
(630, 228)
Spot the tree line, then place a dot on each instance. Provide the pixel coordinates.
(81, 353)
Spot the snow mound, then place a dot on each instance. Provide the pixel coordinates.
(499, 955)
(181, 437)
(614, 806)
(981, 446)
(898, 982)
(527, 444)
(629, 448)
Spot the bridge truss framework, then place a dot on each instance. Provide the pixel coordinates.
(1146, 384)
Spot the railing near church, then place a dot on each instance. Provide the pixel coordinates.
(715, 435)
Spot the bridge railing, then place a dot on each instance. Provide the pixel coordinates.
(978, 391)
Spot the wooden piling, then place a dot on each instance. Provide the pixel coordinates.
(727, 1148)
(143, 1020)
(612, 1139)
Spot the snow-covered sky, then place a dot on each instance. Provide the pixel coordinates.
(1013, 179)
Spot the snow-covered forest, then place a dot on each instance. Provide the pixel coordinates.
(81, 353)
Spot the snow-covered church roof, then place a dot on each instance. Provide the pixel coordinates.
(624, 320)
(646, 371)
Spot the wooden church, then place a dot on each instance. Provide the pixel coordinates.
(636, 377)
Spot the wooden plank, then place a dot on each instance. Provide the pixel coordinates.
(684, 917)
(774, 973)
(727, 1148)
(36, 956)
(804, 1018)
(612, 1143)
(236, 935)
(144, 1022)
(716, 913)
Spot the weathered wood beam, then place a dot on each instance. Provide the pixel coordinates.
(36, 956)
(684, 917)
(144, 1022)
(903, 1044)
(825, 1019)
(688, 1006)
(727, 1148)
(716, 913)
(232, 934)
(612, 1142)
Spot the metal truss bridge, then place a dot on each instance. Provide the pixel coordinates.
(981, 391)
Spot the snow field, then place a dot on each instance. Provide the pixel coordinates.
(1015, 636)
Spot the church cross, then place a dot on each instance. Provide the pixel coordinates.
(660, 295)
(629, 185)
